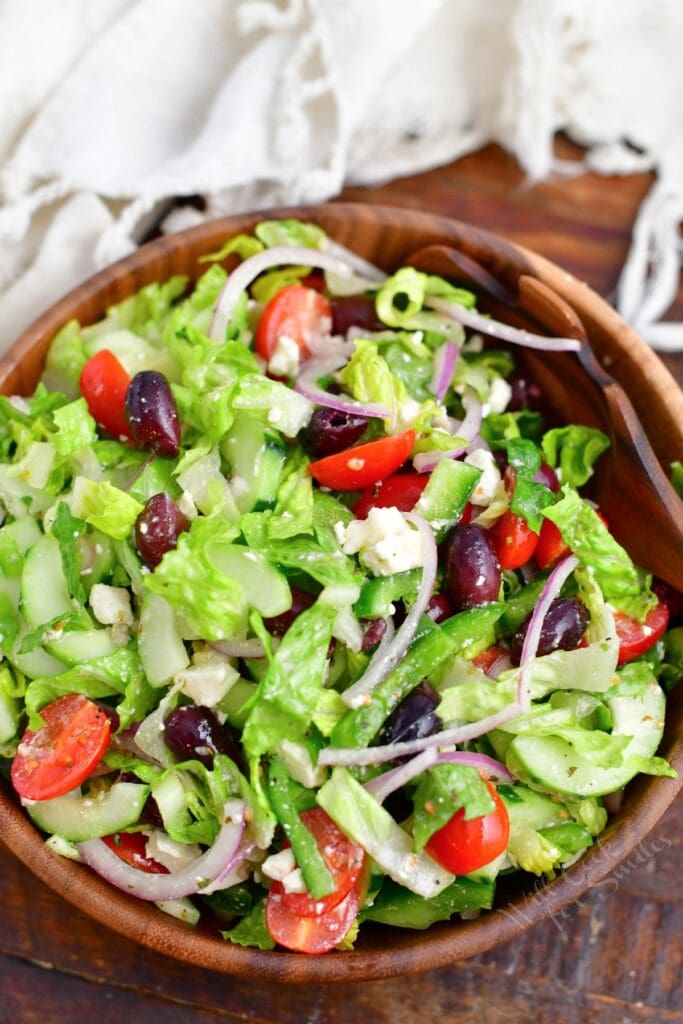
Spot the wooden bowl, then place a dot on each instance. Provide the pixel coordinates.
(387, 237)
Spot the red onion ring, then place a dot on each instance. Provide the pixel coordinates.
(425, 462)
(445, 361)
(217, 862)
(245, 273)
(491, 768)
(355, 262)
(384, 661)
(552, 588)
(386, 784)
(306, 385)
(505, 332)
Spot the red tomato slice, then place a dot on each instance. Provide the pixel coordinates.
(402, 491)
(463, 846)
(311, 934)
(550, 547)
(514, 539)
(58, 757)
(637, 637)
(131, 847)
(343, 858)
(104, 384)
(467, 513)
(295, 312)
(364, 465)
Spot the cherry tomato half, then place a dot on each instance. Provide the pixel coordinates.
(637, 637)
(364, 465)
(402, 491)
(131, 847)
(295, 312)
(311, 934)
(550, 547)
(104, 384)
(343, 858)
(486, 659)
(55, 759)
(514, 539)
(463, 846)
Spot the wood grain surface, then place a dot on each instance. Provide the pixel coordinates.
(616, 957)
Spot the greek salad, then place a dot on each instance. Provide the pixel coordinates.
(305, 620)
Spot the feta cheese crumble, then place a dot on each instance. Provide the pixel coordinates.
(284, 361)
(489, 481)
(385, 541)
(111, 605)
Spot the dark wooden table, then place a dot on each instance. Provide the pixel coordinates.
(614, 958)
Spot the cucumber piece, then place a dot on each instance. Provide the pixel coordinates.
(10, 710)
(446, 494)
(551, 764)
(233, 704)
(82, 645)
(97, 554)
(15, 540)
(257, 456)
(36, 663)
(44, 593)
(534, 810)
(171, 800)
(81, 818)
(160, 645)
(264, 587)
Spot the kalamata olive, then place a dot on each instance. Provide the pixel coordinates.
(501, 460)
(112, 714)
(279, 624)
(157, 528)
(194, 733)
(373, 632)
(563, 627)
(472, 568)
(414, 717)
(151, 413)
(439, 608)
(545, 474)
(526, 394)
(330, 431)
(354, 311)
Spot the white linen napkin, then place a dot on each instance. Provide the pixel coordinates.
(110, 109)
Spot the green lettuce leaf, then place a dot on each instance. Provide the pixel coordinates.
(105, 507)
(293, 512)
(289, 232)
(286, 699)
(529, 498)
(589, 539)
(75, 428)
(499, 427)
(67, 529)
(210, 602)
(443, 790)
(252, 930)
(66, 358)
(575, 450)
(243, 246)
(367, 378)
(102, 677)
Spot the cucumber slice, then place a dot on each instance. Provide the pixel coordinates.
(36, 663)
(15, 540)
(234, 703)
(9, 717)
(82, 645)
(81, 818)
(534, 810)
(44, 593)
(446, 494)
(551, 764)
(264, 587)
(256, 455)
(378, 594)
(160, 645)
(170, 798)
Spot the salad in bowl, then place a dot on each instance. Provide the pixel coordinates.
(306, 618)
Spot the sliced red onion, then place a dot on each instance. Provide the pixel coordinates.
(384, 661)
(354, 262)
(445, 360)
(218, 861)
(245, 273)
(306, 385)
(252, 648)
(552, 588)
(500, 665)
(496, 329)
(491, 768)
(449, 737)
(425, 462)
(233, 873)
(386, 784)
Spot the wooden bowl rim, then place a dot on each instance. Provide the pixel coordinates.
(401, 951)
